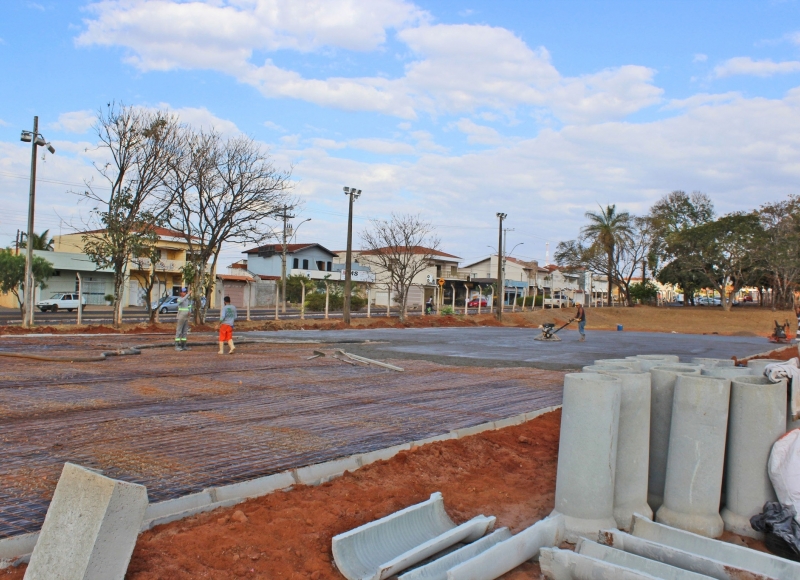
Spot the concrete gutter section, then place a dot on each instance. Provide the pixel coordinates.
(509, 554)
(567, 565)
(618, 557)
(766, 565)
(437, 570)
(382, 548)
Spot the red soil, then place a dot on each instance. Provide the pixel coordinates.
(509, 473)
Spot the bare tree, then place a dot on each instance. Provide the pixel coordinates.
(141, 146)
(402, 248)
(223, 191)
(149, 262)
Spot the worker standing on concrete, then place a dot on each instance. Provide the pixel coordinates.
(182, 328)
(580, 316)
(227, 316)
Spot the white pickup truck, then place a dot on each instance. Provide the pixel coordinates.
(60, 301)
(558, 300)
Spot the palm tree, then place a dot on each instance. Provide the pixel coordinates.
(41, 241)
(607, 230)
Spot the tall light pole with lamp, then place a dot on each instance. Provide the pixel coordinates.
(36, 139)
(500, 281)
(353, 194)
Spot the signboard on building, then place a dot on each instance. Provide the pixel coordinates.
(358, 276)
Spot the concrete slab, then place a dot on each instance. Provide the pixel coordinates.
(321, 472)
(567, 565)
(17, 550)
(383, 454)
(178, 505)
(90, 528)
(437, 570)
(731, 554)
(509, 554)
(627, 560)
(513, 346)
(254, 487)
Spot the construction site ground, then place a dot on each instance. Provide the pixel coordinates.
(180, 422)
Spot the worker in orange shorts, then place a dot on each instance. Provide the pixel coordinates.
(227, 316)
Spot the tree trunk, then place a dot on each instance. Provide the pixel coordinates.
(610, 269)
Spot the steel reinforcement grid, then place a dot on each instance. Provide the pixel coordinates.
(182, 422)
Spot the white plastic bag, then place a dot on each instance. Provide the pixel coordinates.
(784, 469)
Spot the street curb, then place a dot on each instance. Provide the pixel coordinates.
(17, 549)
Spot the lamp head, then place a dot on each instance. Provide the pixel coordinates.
(40, 141)
(50, 148)
(502, 216)
(26, 136)
(346, 190)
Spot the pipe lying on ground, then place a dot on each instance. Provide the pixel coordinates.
(658, 569)
(587, 453)
(697, 437)
(757, 419)
(663, 387)
(567, 565)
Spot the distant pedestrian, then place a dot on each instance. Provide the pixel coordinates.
(227, 317)
(429, 306)
(182, 328)
(580, 316)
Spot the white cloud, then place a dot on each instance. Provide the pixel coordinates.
(700, 57)
(382, 146)
(701, 99)
(274, 126)
(75, 121)
(744, 65)
(479, 133)
(202, 118)
(4, 123)
(328, 144)
(456, 69)
(405, 126)
(164, 34)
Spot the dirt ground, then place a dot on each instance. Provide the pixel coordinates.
(743, 321)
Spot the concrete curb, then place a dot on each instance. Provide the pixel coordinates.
(17, 549)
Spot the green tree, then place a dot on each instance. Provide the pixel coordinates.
(12, 273)
(608, 230)
(778, 252)
(644, 292)
(41, 241)
(724, 250)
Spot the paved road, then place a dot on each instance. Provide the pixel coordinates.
(496, 346)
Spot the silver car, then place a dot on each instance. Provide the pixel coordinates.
(166, 304)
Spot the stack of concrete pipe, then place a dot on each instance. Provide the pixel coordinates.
(651, 435)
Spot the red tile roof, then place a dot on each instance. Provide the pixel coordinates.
(232, 278)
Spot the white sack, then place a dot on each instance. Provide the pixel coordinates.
(789, 370)
(784, 470)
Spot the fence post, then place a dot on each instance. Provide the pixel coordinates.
(277, 296)
(303, 301)
(327, 293)
(80, 298)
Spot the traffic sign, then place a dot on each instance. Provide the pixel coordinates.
(441, 281)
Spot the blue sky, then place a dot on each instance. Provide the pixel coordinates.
(456, 110)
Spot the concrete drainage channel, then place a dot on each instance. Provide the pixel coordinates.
(19, 549)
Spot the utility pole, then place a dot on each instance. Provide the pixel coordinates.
(352, 193)
(16, 244)
(505, 259)
(35, 139)
(500, 282)
(285, 216)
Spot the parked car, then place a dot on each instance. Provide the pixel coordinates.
(474, 303)
(60, 301)
(558, 300)
(166, 304)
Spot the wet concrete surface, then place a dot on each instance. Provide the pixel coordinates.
(495, 346)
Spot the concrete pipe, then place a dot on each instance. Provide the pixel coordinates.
(759, 364)
(713, 362)
(602, 368)
(648, 361)
(662, 388)
(756, 420)
(587, 453)
(625, 362)
(696, 455)
(727, 372)
(633, 445)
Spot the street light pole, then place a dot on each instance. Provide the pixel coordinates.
(353, 194)
(286, 217)
(500, 282)
(35, 139)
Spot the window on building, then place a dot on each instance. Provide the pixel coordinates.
(453, 270)
(438, 271)
(320, 265)
(329, 265)
(305, 264)
(296, 263)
